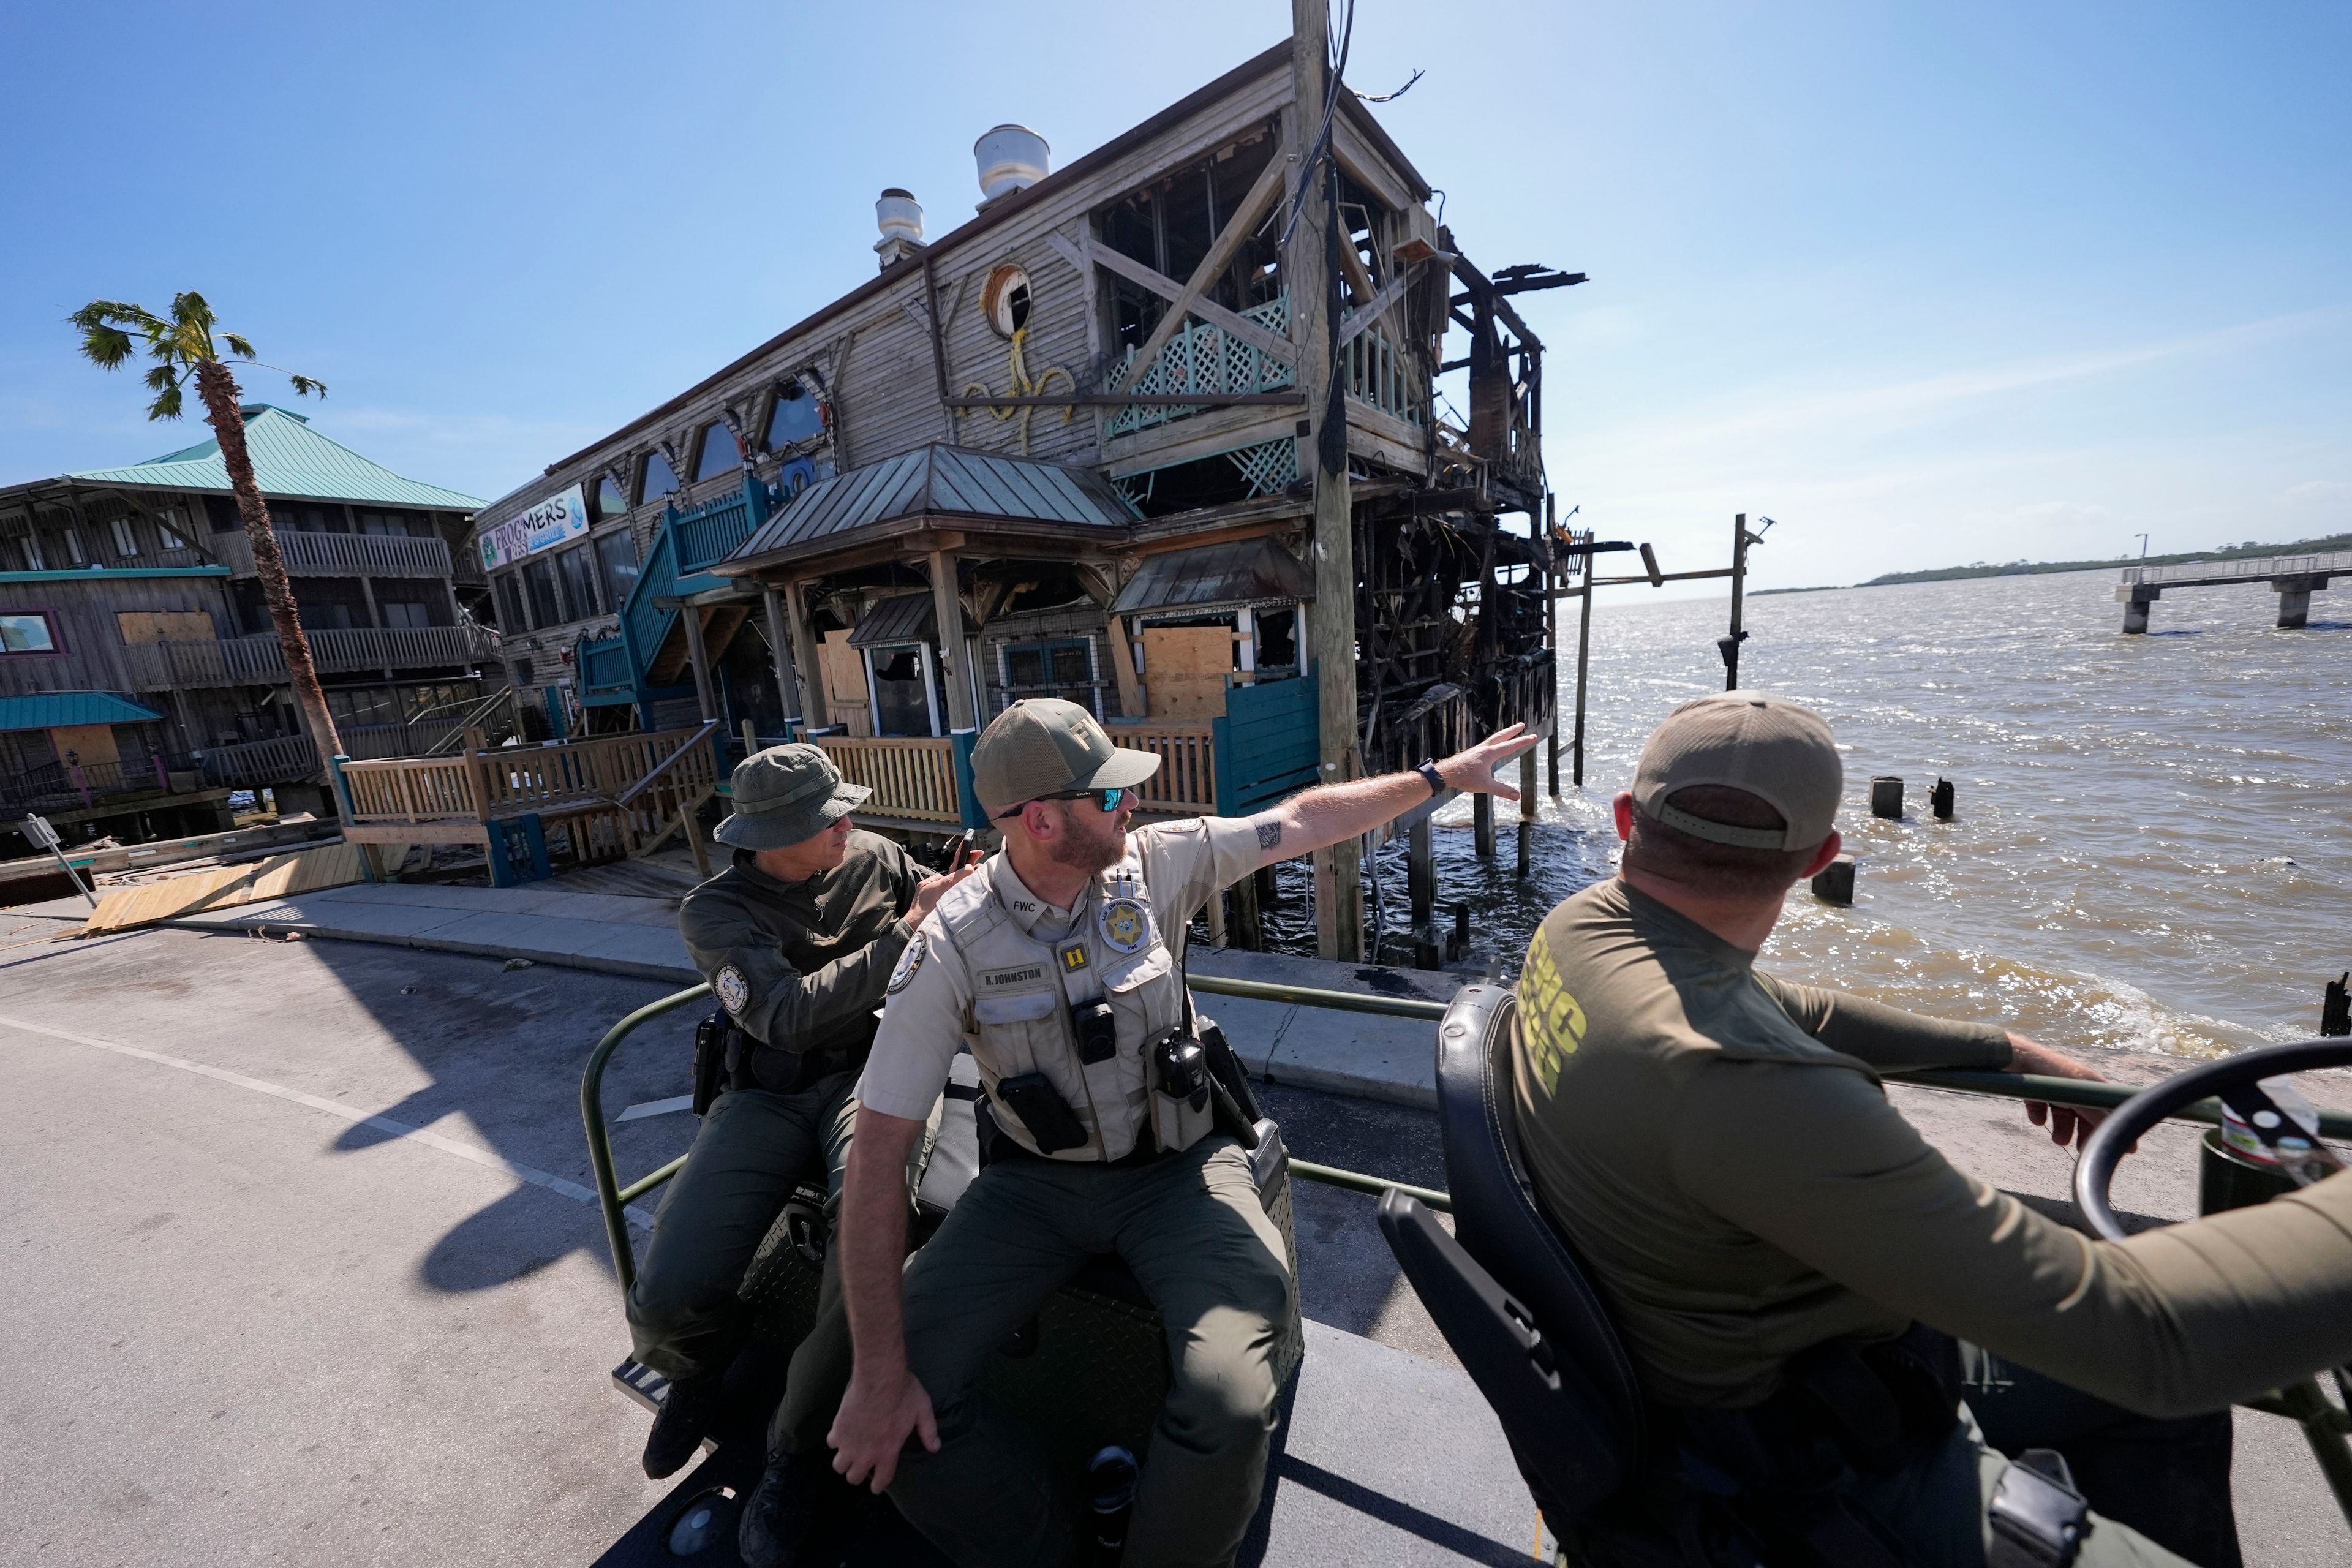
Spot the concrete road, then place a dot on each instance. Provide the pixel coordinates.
(302, 1271)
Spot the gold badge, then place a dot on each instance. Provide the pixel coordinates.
(1125, 925)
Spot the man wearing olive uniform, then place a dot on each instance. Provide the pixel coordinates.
(1719, 1147)
(1075, 915)
(797, 938)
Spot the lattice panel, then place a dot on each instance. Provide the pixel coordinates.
(1269, 467)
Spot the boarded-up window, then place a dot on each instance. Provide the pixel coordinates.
(1185, 670)
(166, 626)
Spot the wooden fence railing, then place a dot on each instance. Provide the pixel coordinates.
(912, 777)
(616, 794)
(1186, 783)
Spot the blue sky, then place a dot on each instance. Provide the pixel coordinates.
(1929, 285)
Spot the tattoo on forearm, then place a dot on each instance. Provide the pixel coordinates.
(1269, 832)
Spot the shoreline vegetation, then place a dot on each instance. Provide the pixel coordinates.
(2250, 548)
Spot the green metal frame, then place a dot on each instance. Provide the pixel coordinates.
(2325, 1427)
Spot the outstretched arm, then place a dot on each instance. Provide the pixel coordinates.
(1321, 816)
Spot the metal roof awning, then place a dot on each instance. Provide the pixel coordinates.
(967, 489)
(1216, 577)
(909, 618)
(57, 710)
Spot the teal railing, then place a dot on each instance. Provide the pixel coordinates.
(1205, 358)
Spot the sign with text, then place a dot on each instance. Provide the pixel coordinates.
(558, 520)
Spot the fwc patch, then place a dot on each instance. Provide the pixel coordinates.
(909, 961)
(1125, 925)
(732, 989)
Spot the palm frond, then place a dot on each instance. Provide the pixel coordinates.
(166, 404)
(237, 345)
(306, 384)
(163, 377)
(105, 346)
(190, 310)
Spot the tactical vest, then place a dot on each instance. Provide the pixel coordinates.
(1022, 988)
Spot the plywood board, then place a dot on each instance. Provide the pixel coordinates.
(165, 626)
(845, 684)
(224, 886)
(1184, 671)
(90, 744)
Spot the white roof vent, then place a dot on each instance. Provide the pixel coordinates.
(1011, 158)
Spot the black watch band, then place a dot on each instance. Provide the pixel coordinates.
(1428, 771)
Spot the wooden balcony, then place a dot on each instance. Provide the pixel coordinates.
(341, 555)
(255, 660)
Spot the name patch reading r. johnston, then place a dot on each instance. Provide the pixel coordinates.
(997, 979)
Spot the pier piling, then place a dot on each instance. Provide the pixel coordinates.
(2294, 600)
(1886, 797)
(1482, 824)
(1834, 885)
(2336, 1006)
(1939, 800)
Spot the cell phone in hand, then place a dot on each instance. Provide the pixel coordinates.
(959, 849)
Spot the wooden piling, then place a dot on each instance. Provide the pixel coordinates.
(1526, 809)
(1482, 824)
(1835, 884)
(1886, 797)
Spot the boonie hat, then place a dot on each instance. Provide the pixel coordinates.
(1044, 745)
(1777, 750)
(785, 795)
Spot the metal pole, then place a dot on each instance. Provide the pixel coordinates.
(1583, 661)
(37, 829)
(1739, 592)
(1551, 636)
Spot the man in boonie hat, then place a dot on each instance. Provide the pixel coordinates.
(1790, 1265)
(1058, 963)
(797, 938)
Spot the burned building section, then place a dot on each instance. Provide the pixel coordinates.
(1158, 431)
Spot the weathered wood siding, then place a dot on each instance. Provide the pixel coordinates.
(84, 612)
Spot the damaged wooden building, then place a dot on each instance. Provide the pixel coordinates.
(1157, 431)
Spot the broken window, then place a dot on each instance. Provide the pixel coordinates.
(1171, 224)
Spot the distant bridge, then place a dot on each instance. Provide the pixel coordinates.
(2294, 578)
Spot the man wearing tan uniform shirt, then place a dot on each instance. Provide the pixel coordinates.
(1719, 1146)
(1096, 1155)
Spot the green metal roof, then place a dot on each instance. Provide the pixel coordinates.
(59, 708)
(289, 458)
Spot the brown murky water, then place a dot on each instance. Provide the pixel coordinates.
(2154, 838)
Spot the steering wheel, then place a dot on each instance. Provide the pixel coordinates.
(2236, 1081)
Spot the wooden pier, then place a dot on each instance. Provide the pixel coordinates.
(2294, 578)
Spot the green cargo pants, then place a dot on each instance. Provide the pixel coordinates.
(1193, 1233)
(753, 1149)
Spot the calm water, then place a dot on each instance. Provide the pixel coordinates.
(2154, 835)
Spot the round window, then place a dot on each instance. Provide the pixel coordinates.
(1005, 301)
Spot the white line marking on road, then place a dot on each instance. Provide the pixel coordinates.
(638, 1112)
(538, 1178)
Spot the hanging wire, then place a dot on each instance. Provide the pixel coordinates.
(1390, 97)
(1340, 39)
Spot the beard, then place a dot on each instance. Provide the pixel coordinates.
(1092, 843)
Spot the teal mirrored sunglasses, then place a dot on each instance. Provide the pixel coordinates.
(1106, 800)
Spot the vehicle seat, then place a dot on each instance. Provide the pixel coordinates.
(1508, 1290)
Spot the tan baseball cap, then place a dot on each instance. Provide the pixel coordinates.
(1777, 750)
(1044, 745)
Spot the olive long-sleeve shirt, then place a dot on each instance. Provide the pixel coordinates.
(1719, 1146)
(802, 966)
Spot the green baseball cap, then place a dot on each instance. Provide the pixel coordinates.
(1044, 745)
(785, 795)
(1779, 751)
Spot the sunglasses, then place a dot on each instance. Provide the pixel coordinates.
(1106, 800)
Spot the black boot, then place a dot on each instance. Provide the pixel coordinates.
(680, 1426)
(796, 1499)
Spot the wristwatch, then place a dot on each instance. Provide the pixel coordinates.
(1428, 770)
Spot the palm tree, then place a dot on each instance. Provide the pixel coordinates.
(183, 347)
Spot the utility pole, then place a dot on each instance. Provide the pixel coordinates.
(1311, 267)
